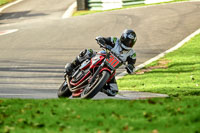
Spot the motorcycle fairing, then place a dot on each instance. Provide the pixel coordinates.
(85, 64)
(96, 60)
(89, 67)
(81, 74)
(84, 77)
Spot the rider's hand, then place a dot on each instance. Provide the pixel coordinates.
(100, 40)
(129, 69)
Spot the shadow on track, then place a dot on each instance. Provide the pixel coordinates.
(17, 15)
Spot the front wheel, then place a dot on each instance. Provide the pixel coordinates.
(91, 90)
(64, 91)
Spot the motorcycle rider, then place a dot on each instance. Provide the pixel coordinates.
(122, 47)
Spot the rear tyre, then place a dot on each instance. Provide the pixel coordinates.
(64, 91)
(91, 90)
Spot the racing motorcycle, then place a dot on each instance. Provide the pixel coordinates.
(90, 77)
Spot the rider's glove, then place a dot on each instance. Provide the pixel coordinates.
(100, 40)
(130, 68)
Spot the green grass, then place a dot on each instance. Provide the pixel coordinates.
(104, 116)
(86, 12)
(3, 2)
(180, 76)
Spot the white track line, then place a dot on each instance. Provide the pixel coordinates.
(69, 11)
(162, 54)
(10, 4)
(3, 8)
(8, 32)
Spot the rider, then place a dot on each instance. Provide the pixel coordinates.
(122, 47)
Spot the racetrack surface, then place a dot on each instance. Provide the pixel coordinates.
(34, 10)
(32, 59)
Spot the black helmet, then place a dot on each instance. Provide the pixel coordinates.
(128, 39)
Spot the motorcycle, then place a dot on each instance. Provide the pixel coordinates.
(90, 77)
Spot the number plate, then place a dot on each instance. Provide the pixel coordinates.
(113, 62)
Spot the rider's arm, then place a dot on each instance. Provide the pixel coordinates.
(131, 62)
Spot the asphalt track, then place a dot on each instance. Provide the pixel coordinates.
(32, 10)
(32, 59)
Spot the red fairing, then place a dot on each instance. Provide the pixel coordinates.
(86, 66)
(95, 65)
(75, 84)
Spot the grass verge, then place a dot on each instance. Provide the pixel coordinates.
(86, 12)
(177, 74)
(104, 116)
(3, 2)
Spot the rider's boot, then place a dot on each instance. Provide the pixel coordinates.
(111, 88)
(70, 66)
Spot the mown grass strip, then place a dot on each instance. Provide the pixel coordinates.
(176, 74)
(3, 2)
(105, 116)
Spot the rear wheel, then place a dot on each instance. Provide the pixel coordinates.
(91, 90)
(64, 91)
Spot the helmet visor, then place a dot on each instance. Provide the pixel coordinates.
(128, 42)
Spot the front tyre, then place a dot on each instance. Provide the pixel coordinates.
(64, 91)
(91, 90)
